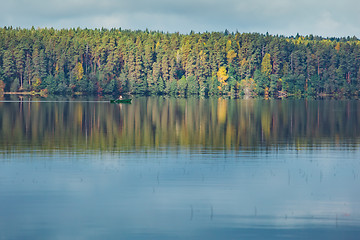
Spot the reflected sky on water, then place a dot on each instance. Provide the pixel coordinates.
(180, 169)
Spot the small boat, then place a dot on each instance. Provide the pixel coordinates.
(120, 101)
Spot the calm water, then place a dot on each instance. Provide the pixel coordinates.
(163, 168)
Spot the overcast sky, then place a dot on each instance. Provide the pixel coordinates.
(284, 17)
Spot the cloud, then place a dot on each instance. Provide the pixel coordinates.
(327, 24)
(286, 17)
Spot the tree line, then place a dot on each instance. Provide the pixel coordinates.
(116, 61)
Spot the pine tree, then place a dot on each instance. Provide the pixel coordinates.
(9, 65)
(20, 64)
(136, 60)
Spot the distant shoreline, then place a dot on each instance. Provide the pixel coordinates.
(23, 93)
(152, 63)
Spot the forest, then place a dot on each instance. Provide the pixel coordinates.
(117, 61)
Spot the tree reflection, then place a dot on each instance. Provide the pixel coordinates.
(161, 122)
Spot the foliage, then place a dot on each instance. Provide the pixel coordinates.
(149, 62)
(222, 77)
(248, 87)
(2, 86)
(266, 67)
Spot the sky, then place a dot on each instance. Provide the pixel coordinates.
(326, 18)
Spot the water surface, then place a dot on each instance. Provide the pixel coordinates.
(166, 168)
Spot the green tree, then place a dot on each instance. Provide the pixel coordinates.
(8, 66)
(182, 86)
(145, 61)
(262, 82)
(193, 86)
(20, 65)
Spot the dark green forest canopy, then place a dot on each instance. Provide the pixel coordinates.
(119, 61)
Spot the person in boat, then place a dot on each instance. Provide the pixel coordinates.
(120, 97)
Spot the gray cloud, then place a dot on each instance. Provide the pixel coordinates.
(287, 17)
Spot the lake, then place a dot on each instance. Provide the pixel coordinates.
(167, 168)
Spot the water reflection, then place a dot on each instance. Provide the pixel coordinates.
(158, 122)
(165, 168)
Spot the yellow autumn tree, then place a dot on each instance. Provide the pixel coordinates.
(228, 45)
(337, 47)
(36, 81)
(57, 68)
(266, 66)
(222, 77)
(79, 71)
(231, 55)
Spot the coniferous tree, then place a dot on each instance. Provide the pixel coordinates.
(8, 66)
(63, 61)
(20, 65)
